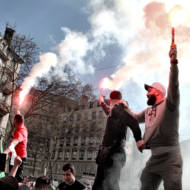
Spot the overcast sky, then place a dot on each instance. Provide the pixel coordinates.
(127, 41)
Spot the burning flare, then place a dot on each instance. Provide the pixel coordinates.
(106, 83)
(22, 96)
(178, 16)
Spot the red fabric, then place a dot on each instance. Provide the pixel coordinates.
(21, 134)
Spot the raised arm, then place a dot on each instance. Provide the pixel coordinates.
(11, 147)
(105, 107)
(173, 87)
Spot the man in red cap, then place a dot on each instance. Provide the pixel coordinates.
(18, 144)
(161, 133)
(111, 155)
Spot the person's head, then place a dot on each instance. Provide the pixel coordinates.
(8, 183)
(26, 180)
(42, 183)
(69, 173)
(18, 120)
(155, 93)
(115, 98)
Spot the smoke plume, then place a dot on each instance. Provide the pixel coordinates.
(142, 31)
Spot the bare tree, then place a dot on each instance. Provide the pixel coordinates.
(46, 101)
(27, 49)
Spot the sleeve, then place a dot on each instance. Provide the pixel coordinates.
(18, 135)
(106, 108)
(133, 125)
(129, 120)
(173, 88)
(140, 117)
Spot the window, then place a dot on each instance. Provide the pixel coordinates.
(93, 115)
(53, 155)
(67, 154)
(94, 154)
(81, 155)
(60, 154)
(74, 154)
(61, 143)
(91, 140)
(89, 155)
(91, 104)
(75, 141)
(83, 140)
(77, 130)
(68, 141)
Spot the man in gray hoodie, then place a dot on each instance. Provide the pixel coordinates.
(161, 132)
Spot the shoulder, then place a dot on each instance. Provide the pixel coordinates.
(118, 107)
(60, 186)
(80, 185)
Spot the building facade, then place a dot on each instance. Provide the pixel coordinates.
(10, 64)
(80, 140)
(74, 137)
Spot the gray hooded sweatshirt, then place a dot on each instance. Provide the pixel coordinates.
(162, 119)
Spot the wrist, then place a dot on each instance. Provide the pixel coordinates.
(175, 61)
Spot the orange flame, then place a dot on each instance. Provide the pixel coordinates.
(178, 15)
(106, 83)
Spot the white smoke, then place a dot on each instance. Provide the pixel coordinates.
(142, 30)
(47, 61)
(72, 50)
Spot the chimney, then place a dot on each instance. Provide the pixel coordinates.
(8, 36)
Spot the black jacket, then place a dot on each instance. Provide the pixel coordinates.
(116, 128)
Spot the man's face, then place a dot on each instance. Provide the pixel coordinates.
(69, 177)
(151, 95)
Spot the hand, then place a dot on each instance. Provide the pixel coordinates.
(124, 103)
(173, 54)
(18, 161)
(7, 153)
(101, 97)
(140, 144)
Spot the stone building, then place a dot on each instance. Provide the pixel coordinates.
(80, 139)
(74, 137)
(10, 64)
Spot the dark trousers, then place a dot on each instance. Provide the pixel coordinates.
(19, 175)
(166, 167)
(108, 174)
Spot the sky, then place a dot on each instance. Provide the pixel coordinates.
(128, 42)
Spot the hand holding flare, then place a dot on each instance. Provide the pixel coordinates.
(101, 97)
(173, 49)
(105, 84)
(173, 45)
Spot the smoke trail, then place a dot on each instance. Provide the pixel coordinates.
(72, 50)
(47, 61)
